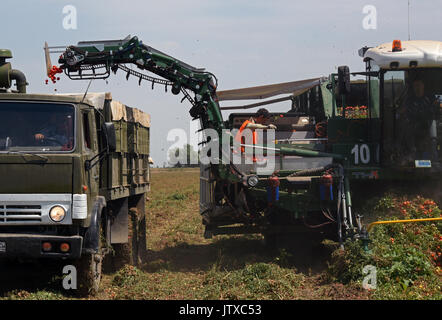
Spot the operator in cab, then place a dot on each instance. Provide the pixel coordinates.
(415, 116)
(56, 132)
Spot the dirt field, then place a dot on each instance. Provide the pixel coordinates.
(181, 264)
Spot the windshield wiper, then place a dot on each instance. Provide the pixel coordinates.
(28, 154)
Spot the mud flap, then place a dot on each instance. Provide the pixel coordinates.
(137, 212)
(119, 226)
(92, 235)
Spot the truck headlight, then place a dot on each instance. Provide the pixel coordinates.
(57, 213)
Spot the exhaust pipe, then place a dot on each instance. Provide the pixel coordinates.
(20, 80)
(7, 74)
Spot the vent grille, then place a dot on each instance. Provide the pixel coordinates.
(20, 213)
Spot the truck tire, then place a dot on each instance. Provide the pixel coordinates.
(89, 271)
(122, 255)
(90, 265)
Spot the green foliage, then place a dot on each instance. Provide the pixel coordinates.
(254, 281)
(177, 196)
(346, 265)
(385, 203)
(403, 254)
(38, 295)
(127, 276)
(283, 259)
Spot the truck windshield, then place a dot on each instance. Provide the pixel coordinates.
(36, 127)
(412, 111)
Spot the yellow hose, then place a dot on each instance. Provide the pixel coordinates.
(371, 225)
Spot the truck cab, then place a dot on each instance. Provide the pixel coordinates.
(45, 189)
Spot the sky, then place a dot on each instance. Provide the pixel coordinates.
(244, 43)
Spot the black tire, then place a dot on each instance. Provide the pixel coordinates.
(89, 272)
(122, 255)
(90, 267)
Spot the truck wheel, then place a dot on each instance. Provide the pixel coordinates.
(90, 266)
(122, 255)
(89, 273)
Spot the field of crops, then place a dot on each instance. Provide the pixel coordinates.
(181, 264)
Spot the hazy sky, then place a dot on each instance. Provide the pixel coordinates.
(244, 43)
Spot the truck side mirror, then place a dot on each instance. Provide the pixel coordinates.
(110, 136)
(344, 80)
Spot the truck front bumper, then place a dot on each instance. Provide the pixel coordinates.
(30, 246)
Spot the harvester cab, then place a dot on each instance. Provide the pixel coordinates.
(389, 124)
(399, 103)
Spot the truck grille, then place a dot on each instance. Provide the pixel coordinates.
(20, 213)
(33, 209)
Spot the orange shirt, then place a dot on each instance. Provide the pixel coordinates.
(241, 139)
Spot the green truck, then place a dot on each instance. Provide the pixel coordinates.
(74, 177)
